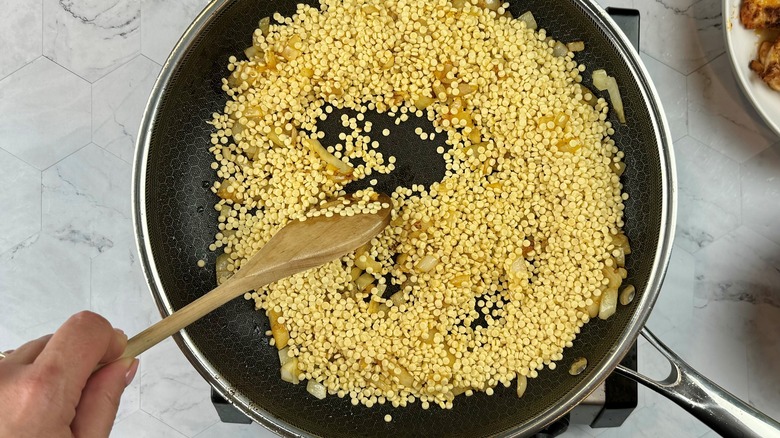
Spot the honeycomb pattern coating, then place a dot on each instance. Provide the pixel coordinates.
(181, 225)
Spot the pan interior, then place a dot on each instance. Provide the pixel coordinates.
(181, 224)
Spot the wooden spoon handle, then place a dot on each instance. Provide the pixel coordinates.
(178, 320)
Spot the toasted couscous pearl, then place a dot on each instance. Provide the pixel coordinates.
(517, 234)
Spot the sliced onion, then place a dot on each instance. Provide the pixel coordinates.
(522, 384)
(600, 79)
(529, 20)
(315, 145)
(560, 50)
(250, 52)
(316, 389)
(264, 25)
(593, 308)
(617, 100)
(397, 298)
(627, 295)
(289, 371)
(427, 263)
(576, 46)
(608, 303)
(364, 281)
(492, 5)
(578, 366)
(284, 356)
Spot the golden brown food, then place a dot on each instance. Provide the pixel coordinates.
(767, 66)
(760, 14)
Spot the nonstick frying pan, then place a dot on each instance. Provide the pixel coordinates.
(175, 223)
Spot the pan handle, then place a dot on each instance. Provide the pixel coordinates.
(713, 405)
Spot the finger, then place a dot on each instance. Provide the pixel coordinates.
(76, 348)
(27, 353)
(96, 411)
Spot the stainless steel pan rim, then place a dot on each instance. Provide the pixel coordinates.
(208, 371)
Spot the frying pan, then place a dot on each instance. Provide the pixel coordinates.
(175, 222)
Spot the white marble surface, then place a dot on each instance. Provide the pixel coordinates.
(74, 77)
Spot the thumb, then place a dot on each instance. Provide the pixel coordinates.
(99, 402)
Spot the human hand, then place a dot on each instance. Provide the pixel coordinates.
(48, 388)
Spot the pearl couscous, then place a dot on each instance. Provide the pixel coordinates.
(498, 265)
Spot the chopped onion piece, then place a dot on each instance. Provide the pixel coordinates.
(522, 384)
(250, 52)
(284, 356)
(264, 25)
(578, 366)
(617, 100)
(576, 46)
(364, 281)
(529, 20)
(627, 295)
(608, 303)
(316, 389)
(221, 267)
(397, 298)
(560, 50)
(491, 5)
(427, 263)
(600, 80)
(289, 371)
(341, 167)
(593, 308)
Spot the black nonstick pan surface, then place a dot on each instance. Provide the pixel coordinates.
(175, 223)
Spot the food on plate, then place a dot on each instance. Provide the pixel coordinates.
(480, 279)
(760, 14)
(764, 14)
(767, 66)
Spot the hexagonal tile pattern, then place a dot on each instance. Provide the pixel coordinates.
(761, 193)
(671, 86)
(742, 266)
(163, 24)
(672, 310)
(142, 425)
(118, 284)
(47, 272)
(92, 37)
(118, 102)
(20, 34)
(40, 123)
(683, 34)
(173, 392)
(709, 193)
(720, 116)
(86, 200)
(21, 201)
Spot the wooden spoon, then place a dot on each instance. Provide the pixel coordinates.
(299, 246)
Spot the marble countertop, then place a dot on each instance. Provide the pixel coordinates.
(74, 79)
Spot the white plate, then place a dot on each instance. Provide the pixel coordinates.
(742, 46)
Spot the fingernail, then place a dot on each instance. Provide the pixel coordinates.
(130, 375)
